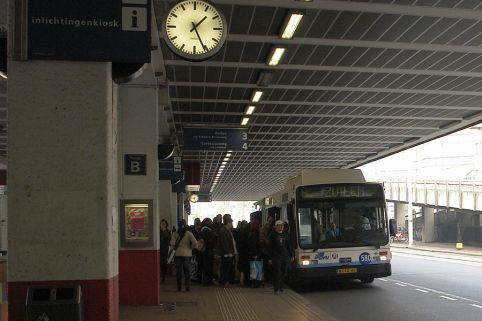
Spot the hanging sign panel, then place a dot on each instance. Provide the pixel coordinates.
(90, 30)
(215, 139)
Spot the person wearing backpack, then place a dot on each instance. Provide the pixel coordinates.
(183, 242)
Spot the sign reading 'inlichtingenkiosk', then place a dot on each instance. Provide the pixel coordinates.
(90, 30)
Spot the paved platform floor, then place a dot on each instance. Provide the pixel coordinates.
(219, 304)
(247, 304)
(441, 247)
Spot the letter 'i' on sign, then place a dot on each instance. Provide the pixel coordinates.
(134, 18)
(135, 164)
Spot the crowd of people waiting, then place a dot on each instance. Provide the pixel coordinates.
(250, 254)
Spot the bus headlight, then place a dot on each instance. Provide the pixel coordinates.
(305, 262)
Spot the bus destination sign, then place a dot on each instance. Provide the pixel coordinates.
(339, 191)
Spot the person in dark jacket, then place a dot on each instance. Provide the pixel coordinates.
(281, 255)
(226, 250)
(242, 244)
(208, 239)
(255, 252)
(165, 239)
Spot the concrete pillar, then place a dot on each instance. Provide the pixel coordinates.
(138, 117)
(428, 224)
(176, 216)
(62, 183)
(400, 212)
(166, 210)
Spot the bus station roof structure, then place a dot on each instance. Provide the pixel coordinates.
(359, 80)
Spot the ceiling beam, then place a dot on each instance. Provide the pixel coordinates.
(362, 7)
(322, 103)
(357, 141)
(354, 43)
(247, 65)
(327, 88)
(329, 134)
(344, 116)
(307, 152)
(311, 126)
(426, 138)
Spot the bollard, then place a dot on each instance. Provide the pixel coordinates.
(459, 246)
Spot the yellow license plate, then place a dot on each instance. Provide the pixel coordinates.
(344, 271)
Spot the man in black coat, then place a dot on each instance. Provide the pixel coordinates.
(281, 255)
(209, 240)
(226, 250)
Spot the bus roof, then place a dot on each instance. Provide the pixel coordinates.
(326, 176)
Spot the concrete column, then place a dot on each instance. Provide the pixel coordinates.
(176, 217)
(62, 183)
(400, 212)
(428, 224)
(138, 117)
(165, 203)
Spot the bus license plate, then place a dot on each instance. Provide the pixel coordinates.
(345, 271)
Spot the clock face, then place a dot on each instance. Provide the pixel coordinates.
(194, 29)
(194, 198)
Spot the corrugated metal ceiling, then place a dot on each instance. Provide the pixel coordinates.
(360, 80)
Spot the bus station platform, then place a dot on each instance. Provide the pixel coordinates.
(235, 303)
(440, 248)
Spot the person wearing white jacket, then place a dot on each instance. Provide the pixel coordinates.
(183, 242)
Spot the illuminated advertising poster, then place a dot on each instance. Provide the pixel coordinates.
(136, 221)
(136, 218)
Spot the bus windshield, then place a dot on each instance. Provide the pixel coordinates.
(334, 221)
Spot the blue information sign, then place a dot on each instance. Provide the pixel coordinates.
(90, 30)
(171, 168)
(215, 139)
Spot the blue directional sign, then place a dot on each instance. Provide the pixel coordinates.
(215, 139)
(171, 169)
(90, 30)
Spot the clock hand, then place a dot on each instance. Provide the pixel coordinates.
(194, 26)
(197, 34)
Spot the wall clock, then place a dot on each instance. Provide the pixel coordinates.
(194, 29)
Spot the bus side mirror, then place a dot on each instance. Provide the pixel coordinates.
(289, 212)
(392, 226)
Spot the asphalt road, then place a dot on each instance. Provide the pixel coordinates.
(421, 288)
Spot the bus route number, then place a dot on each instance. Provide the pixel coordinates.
(365, 258)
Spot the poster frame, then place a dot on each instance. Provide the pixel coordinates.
(132, 242)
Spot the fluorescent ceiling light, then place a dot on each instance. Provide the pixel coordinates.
(3, 75)
(230, 151)
(275, 56)
(220, 170)
(249, 110)
(244, 121)
(224, 163)
(256, 96)
(228, 154)
(222, 166)
(226, 159)
(289, 29)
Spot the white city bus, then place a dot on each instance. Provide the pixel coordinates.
(338, 225)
